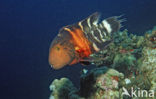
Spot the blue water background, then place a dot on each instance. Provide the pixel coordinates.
(27, 28)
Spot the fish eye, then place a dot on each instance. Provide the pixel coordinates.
(57, 48)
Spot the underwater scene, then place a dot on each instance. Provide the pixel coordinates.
(78, 49)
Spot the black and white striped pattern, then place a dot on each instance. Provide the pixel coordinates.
(100, 34)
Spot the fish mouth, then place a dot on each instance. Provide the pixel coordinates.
(51, 66)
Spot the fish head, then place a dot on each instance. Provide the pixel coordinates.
(61, 52)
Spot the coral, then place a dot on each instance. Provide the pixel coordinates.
(150, 38)
(100, 83)
(122, 54)
(149, 65)
(61, 88)
(127, 60)
(107, 85)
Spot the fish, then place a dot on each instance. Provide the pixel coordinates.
(78, 41)
(153, 39)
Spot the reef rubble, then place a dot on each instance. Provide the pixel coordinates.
(128, 62)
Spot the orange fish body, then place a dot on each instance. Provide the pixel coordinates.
(80, 40)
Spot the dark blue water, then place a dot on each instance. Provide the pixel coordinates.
(28, 26)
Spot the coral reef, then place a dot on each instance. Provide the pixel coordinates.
(148, 61)
(148, 66)
(104, 84)
(123, 53)
(128, 62)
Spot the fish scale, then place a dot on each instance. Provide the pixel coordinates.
(78, 41)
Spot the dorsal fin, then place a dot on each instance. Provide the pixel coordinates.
(100, 33)
(93, 19)
(88, 23)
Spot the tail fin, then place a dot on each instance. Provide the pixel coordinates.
(112, 24)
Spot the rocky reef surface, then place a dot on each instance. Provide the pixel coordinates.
(127, 64)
